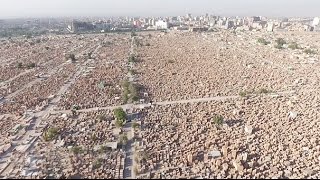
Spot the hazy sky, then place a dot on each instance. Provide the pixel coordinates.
(60, 8)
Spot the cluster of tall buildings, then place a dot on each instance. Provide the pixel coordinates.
(188, 21)
(316, 24)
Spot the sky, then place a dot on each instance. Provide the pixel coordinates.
(72, 8)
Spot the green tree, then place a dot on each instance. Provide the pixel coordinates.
(133, 92)
(263, 41)
(97, 163)
(135, 125)
(75, 107)
(102, 117)
(309, 51)
(243, 93)
(218, 120)
(119, 123)
(294, 46)
(31, 65)
(19, 65)
(94, 137)
(133, 34)
(134, 98)
(120, 114)
(278, 46)
(50, 134)
(263, 91)
(103, 149)
(77, 149)
(125, 92)
(279, 43)
(123, 139)
(125, 97)
(132, 58)
(125, 83)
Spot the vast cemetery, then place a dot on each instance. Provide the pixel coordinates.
(160, 105)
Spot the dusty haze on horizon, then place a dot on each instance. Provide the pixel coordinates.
(61, 8)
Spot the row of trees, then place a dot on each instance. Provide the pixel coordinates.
(280, 42)
(218, 120)
(263, 41)
(309, 51)
(294, 46)
(29, 65)
(50, 134)
(260, 91)
(130, 91)
(120, 116)
(132, 58)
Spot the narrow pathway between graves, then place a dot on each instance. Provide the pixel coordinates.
(15, 77)
(31, 133)
(51, 72)
(253, 55)
(129, 149)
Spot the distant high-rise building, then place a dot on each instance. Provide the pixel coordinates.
(188, 17)
(316, 21)
(229, 24)
(174, 18)
(308, 28)
(76, 26)
(161, 24)
(254, 19)
(151, 22)
(316, 24)
(137, 23)
(270, 27)
(196, 18)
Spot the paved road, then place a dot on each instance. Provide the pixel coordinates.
(164, 103)
(129, 149)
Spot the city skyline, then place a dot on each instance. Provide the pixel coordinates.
(60, 8)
